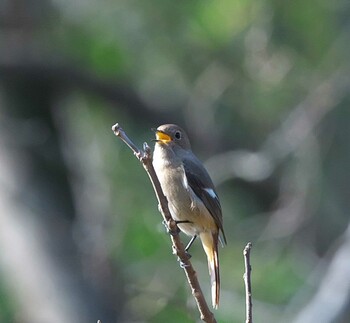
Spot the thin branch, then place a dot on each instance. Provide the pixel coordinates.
(247, 283)
(145, 157)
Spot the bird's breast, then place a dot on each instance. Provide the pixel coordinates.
(184, 205)
(174, 186)
(172, 178)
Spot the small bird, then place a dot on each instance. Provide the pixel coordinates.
(192, 199)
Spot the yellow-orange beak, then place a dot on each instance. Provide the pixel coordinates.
(163, 137)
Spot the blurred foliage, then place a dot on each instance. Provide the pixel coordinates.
(262, 88)
(7, 305)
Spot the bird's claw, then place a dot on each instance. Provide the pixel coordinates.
(183, 265)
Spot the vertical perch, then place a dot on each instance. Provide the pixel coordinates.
(247, 283)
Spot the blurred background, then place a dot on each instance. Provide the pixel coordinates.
(262, 88)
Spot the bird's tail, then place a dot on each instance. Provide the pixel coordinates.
(210, 245)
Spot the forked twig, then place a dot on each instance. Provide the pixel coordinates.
(145, 157)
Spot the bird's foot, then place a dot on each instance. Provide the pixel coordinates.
(189, 256)
(183, 265)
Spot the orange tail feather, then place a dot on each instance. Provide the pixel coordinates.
(210, 245)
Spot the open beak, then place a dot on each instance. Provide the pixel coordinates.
(162, 136)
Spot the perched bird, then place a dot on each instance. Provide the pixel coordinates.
(192, 199)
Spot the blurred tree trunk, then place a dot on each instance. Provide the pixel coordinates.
(38, 216)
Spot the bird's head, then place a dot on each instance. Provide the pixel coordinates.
(172, 136)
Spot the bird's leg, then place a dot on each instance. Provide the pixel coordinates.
(190, 244)
(183, 265)
(191, 241)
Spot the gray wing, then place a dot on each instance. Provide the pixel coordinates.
(201, 184)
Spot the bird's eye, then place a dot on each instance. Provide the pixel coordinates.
(178, 135)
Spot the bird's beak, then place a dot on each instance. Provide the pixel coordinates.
(162, 136)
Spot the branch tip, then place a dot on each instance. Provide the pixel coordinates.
(116, 129)
(247, 248)
(146, 148)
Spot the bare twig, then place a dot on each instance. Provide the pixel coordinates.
(247, 283)
(145, 157)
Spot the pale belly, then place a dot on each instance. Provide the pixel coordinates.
(184, 205)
